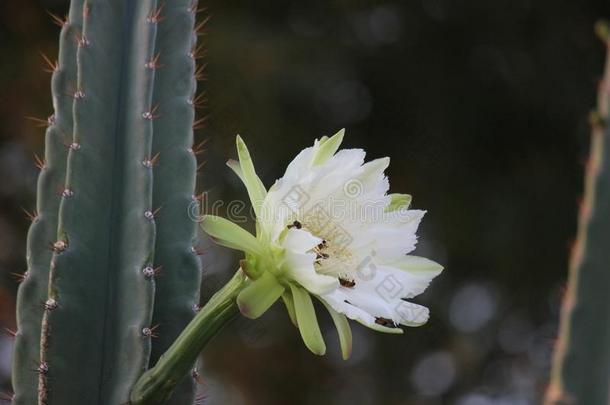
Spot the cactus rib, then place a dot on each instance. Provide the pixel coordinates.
(582, 360)
(94, 340)
(33, 290)
(177, 291)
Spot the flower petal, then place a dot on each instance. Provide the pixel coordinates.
(343, 329)
(228, 234)
(307, 321)
(299, 240)
(328, 148)
(257, 297)
(254, 185)
(337, 301)
(300, 268)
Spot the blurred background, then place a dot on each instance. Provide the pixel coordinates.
(482, 107)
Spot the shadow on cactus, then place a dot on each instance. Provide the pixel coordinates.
(94, 321)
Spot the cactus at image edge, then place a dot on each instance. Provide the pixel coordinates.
(581, 368)
(113, 207)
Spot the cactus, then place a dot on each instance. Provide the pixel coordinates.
(90, 306)
(582, 358)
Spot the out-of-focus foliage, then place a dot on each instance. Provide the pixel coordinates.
(482, 107)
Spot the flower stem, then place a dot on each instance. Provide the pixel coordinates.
(156, 385)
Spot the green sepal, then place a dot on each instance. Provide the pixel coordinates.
(257, 297)
(328, 148)
(254, 185)
(289, 303)
(228, 234)
(398, 202)
(343, 329)
(307, 321)
(234, 165)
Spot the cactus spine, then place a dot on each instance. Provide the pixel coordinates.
(86, 311)
(582, 360)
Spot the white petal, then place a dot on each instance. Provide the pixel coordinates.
(299, 240)
(337, 301)
(300, 268)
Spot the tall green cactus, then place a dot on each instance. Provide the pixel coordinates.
(90, 306)
(581, 370)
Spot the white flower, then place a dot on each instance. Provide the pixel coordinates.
(329, 229)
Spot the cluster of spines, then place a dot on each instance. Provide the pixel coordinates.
(54, 390)
(581, 363)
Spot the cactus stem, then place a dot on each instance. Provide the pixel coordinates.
(156, 385)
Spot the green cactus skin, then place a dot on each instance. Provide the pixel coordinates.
(177, 292)
(43, 232)
(85, 310)
(581, 366)
(94, 338)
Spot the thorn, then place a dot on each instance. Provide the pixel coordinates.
(150, 332)
(198, 52)
(57, 20)
(155, 15)
(200, 73)
(50, 304)
(199, 148)
(193, 8)
(153, 63)
(74, 146)
(151, 115)
(9, 332)
(7, 397)
(199, 101)
(199, 28)
(40, 162)
(151, 162)
(78, 94)
(200, 166)
(30, 215)
(42, 123)
(86, 11)
(52, 66)
(196, 250)
(199, 124)
(20, 277)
